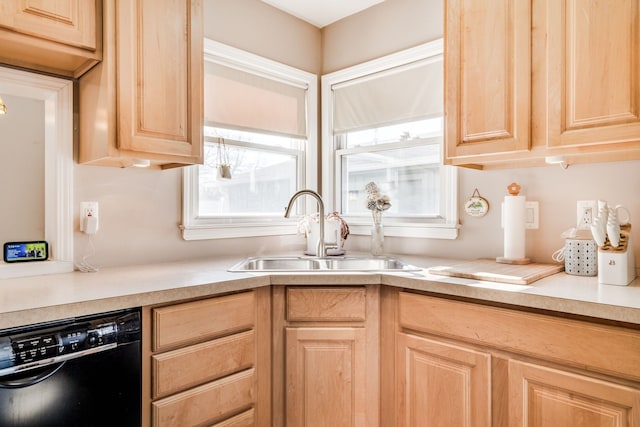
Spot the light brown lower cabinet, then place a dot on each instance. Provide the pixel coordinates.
(207, 362)
(325, 352)
(325, 376)
(461, 363)
(541, 396)
(372, 355)
(441, 384)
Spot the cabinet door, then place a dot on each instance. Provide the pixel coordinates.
(159, 70)
(71, 22)
(487, 77)
(441, 384)
(326, 377)
(593, 88)
(544, 397)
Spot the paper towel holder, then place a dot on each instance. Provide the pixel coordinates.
(514, 190)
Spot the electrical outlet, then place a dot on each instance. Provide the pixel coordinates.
(586, 212)
(89, 217)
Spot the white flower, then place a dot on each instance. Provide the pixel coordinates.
(375, 200)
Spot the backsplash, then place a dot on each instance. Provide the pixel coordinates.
(141, 210)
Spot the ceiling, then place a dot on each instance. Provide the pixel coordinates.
(322, 12)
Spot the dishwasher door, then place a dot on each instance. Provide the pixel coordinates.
(100, 388)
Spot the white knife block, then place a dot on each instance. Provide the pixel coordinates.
(616, 266)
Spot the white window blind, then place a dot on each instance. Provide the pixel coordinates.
(384, 118)
(407, 93)
(266, 113)
(244, 101)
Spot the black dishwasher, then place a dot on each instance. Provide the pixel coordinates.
(84, 371)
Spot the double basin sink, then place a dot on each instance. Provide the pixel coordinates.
(284, 264)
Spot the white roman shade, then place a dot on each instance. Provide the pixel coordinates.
(407, 93)
(244, 101)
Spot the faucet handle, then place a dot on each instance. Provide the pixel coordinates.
(334, 244)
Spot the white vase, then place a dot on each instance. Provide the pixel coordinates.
(377, 239)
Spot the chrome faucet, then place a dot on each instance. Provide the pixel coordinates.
(321, 249)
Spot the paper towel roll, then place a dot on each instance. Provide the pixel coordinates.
(514, 227)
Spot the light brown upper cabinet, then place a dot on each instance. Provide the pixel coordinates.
(487, 77)
(593, 59)
(62, 37)
(528, 80)
(143, 103)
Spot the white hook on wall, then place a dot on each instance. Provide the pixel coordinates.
(556, 160)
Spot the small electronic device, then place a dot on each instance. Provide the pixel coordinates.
(26, 251)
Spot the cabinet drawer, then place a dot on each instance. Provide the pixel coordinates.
(245, 419)
(181, 369)
(201, 320)
(206, 403)
(607, 349)
(306, 304)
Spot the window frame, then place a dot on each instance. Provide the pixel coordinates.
(444, 226)
(57, 95)
(195, 227)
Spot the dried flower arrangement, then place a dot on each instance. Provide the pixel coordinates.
(376, 202)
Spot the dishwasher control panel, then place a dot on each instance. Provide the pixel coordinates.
(21, 348)
(34, 348)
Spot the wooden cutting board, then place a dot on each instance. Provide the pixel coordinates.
(492, 271)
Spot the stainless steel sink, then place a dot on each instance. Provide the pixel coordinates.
(262, 264)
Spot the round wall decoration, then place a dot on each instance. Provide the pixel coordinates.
(476, 206)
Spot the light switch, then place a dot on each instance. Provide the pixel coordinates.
(531, 215)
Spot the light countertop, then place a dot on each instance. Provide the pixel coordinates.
(48, 297)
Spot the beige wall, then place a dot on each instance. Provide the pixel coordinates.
(256, 27)
(556, 190)
(22, 171)
(141, 209)
(380, 30)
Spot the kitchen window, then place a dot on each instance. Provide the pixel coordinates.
(260, 120)
(383, 122)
